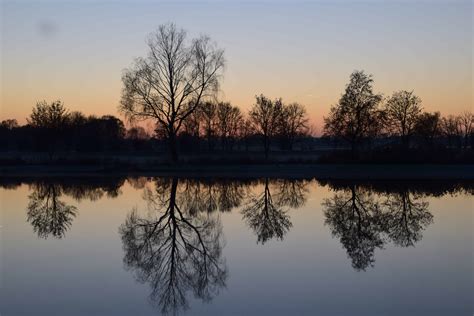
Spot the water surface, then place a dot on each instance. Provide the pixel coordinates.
(151, 246)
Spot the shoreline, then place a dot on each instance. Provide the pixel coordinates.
(320, 171)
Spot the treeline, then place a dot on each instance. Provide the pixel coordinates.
(362, 123)
(211, 127)
(52, 128)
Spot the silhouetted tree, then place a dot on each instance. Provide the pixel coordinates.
(209, 121)
(466, 121)
(47, 214)
(405, 218)
(173, 251)
(428, 127)
(356, 219)
(170, 83)
(50, 120)
(357, 115)
(266, 218)
(451, 128)
(293, 124)
(228, 121)
(291, 192)
(265, 117)
(9, 124)
(49, 115)
(402, 110)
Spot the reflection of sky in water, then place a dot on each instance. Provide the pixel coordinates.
(308, 272)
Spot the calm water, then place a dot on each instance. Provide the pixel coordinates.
(226, 247)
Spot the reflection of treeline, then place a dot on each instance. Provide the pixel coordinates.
(421, 187)
(226, 193)
(77, 188)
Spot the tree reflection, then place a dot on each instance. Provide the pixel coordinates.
(174, 251)
(209, 196)
(47, 214)
(292, 193)
(364, 221)
(265, 217)
(405, 218)
(355, 218)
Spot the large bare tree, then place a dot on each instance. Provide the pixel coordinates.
(169, 84)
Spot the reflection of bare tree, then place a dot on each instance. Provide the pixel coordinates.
(47, 214)
(198, 196)
(405, 218)
(355, 218)
(174, 251)
(291, 192)
(265, 217)
(364, 223)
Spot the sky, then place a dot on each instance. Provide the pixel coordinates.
(304, 52)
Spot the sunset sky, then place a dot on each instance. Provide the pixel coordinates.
(301, 51)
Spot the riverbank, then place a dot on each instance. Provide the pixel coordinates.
(320, 171)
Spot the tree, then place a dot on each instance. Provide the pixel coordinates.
(265, 117)
(294, 123)
(228, 121)
(9, 124)
(466, 121)
(47, 214)
(405, 218)
(451, 128)
(170, 83)
(209, 122)
(266, 218)
(402, 110)
(357, 115)
(355, 217)
(53, 115)
(428, 126)
(174, 251)
(51, 120)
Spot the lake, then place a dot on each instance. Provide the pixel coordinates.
(152, 246)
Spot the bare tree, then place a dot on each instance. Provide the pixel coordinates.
(406, 216)
(428, 126)
(47, 214)
(451, 128)
(267, 219)
(466, 121)
(228, 121)
(357, 115)
(355, 218)
(402, 110)
(48, 115)
(265, 117)
(294, 123)
(174, 251)
(209, 122)
(170, 83)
